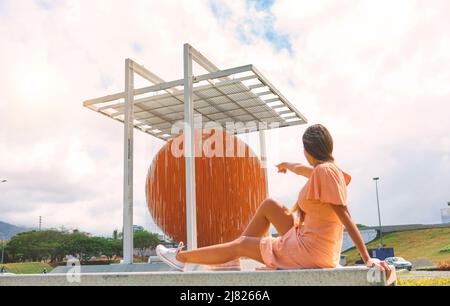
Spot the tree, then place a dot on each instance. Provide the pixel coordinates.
(36, 246)
(115, 235)
(54, 246)
(83, 246)
(111, 248)
(144, 240)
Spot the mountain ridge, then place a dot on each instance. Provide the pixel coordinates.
(7, 231)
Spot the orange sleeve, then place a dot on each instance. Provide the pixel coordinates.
(328, 184)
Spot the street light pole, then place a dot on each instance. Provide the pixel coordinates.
(3, 242)
(376, 179)
(3, 251)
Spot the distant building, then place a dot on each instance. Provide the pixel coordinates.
(445, 215)
(137, 228)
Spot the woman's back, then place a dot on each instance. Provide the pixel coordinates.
(327, 185)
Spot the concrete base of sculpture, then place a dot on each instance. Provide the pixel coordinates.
(348, 276)
(116, 268)
(156, 266)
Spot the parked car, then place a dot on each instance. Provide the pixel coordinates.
(399, 263)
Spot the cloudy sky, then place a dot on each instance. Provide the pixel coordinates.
(376, 73)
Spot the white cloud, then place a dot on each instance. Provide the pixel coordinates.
(376, 73)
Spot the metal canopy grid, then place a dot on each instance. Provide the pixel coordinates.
(239, 95)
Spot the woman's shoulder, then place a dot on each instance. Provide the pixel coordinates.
(331, 169)
(326, 167)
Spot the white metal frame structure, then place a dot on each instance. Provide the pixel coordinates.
(240, 94)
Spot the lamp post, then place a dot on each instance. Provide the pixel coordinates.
(3, 251)
(3, 242)
(376, 179)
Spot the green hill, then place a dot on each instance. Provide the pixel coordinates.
(427, 244)
(7, 230)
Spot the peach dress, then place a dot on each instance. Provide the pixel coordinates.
(317, 242)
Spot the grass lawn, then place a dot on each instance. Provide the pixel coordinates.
(28, 268)
(412, 245)
(424, 282)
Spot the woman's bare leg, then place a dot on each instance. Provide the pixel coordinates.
(222, 253)
(269, 212)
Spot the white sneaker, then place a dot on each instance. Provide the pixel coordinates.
(169, 256)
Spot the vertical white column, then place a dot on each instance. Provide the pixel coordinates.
(263, 151)
(189, 151)
(128, 165)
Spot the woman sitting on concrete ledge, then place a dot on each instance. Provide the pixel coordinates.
(311, 239)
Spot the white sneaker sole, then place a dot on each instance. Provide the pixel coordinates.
(169, 262)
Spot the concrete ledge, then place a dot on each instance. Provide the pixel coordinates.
(116, 268)
(157, 266)
(354, 276)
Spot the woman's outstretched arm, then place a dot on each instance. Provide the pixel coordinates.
(353, 231)
(296, 168)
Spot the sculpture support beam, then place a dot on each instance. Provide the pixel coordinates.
(128, 165)
(189, 151)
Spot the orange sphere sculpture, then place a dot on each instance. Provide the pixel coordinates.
(230, 186)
